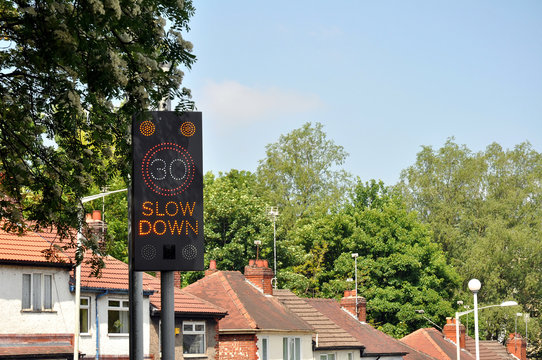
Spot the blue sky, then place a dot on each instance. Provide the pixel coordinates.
(383, 77)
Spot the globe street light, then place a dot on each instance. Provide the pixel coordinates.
(474, 286)
(458, 314)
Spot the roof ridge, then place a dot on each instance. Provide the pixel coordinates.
(426, 334)
(237, 301)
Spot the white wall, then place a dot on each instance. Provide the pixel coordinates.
(114, 344)
(58, 321)
(61, 320)
(275, 345)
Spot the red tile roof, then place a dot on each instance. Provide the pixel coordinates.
(432, 342)
(489, 349)
(186, 303)
(375, 342)
(114, 276)
(28, 249)
(31, 247)
(328, 334)
(248, 308)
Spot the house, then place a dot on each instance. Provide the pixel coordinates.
(342, 315)
(37, 304)
(442, 345)
(257, 326)
(196, 324)
(269, 324)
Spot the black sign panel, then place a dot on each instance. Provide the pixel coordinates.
(167, 191)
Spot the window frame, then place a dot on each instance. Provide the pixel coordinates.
(265, 348)
(85, 307)
(195, 332)
(333, 355)
(291, 348)
(122, 308)
(37, 292)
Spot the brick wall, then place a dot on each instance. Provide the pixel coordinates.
(238, 347)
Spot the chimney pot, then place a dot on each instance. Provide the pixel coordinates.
(265, 263)
(96, 215)
(88, 217)
(259, 263)
(251, 262)
(212, 268)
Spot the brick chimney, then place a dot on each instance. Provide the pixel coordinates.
(517, 346)
(212, 268)
(348, 302)
(259, 274)
(96, 227)
(449, 332)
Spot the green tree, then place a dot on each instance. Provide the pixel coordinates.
(235, 217)
(400, 268)
(485, 209)
(64, 69)
(301, 173)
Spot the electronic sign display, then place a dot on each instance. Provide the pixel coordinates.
(167, 191)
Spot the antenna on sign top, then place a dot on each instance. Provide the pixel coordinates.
(273, 212)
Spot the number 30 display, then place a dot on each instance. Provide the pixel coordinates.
(167, 169)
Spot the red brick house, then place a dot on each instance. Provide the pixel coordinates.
(442, 345)
(257, 326)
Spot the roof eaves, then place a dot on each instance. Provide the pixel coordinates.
(36, 263)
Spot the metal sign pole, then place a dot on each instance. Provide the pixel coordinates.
(167, 315)
(136, 295)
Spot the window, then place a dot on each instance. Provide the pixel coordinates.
(329, 356)
(84, 315)
(193, 337)
(37, 292)
(291, 348)
(265, 348)
(350, 356)
(117, 317)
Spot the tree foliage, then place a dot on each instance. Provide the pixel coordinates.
(235, 217)
(485, 209)
(72, 75)
(400, 269)
(301, 173)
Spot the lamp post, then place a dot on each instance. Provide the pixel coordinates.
(355, 256)
(273, 212)
(474, 286)
(458, 314)
(77, 274)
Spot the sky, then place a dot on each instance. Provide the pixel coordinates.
(383, 77)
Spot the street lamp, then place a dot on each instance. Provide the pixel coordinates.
(458, 314)
(474, 286)
(355, 256)
(273, 212)
(77, 274)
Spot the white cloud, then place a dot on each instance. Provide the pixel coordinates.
(231, 103)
